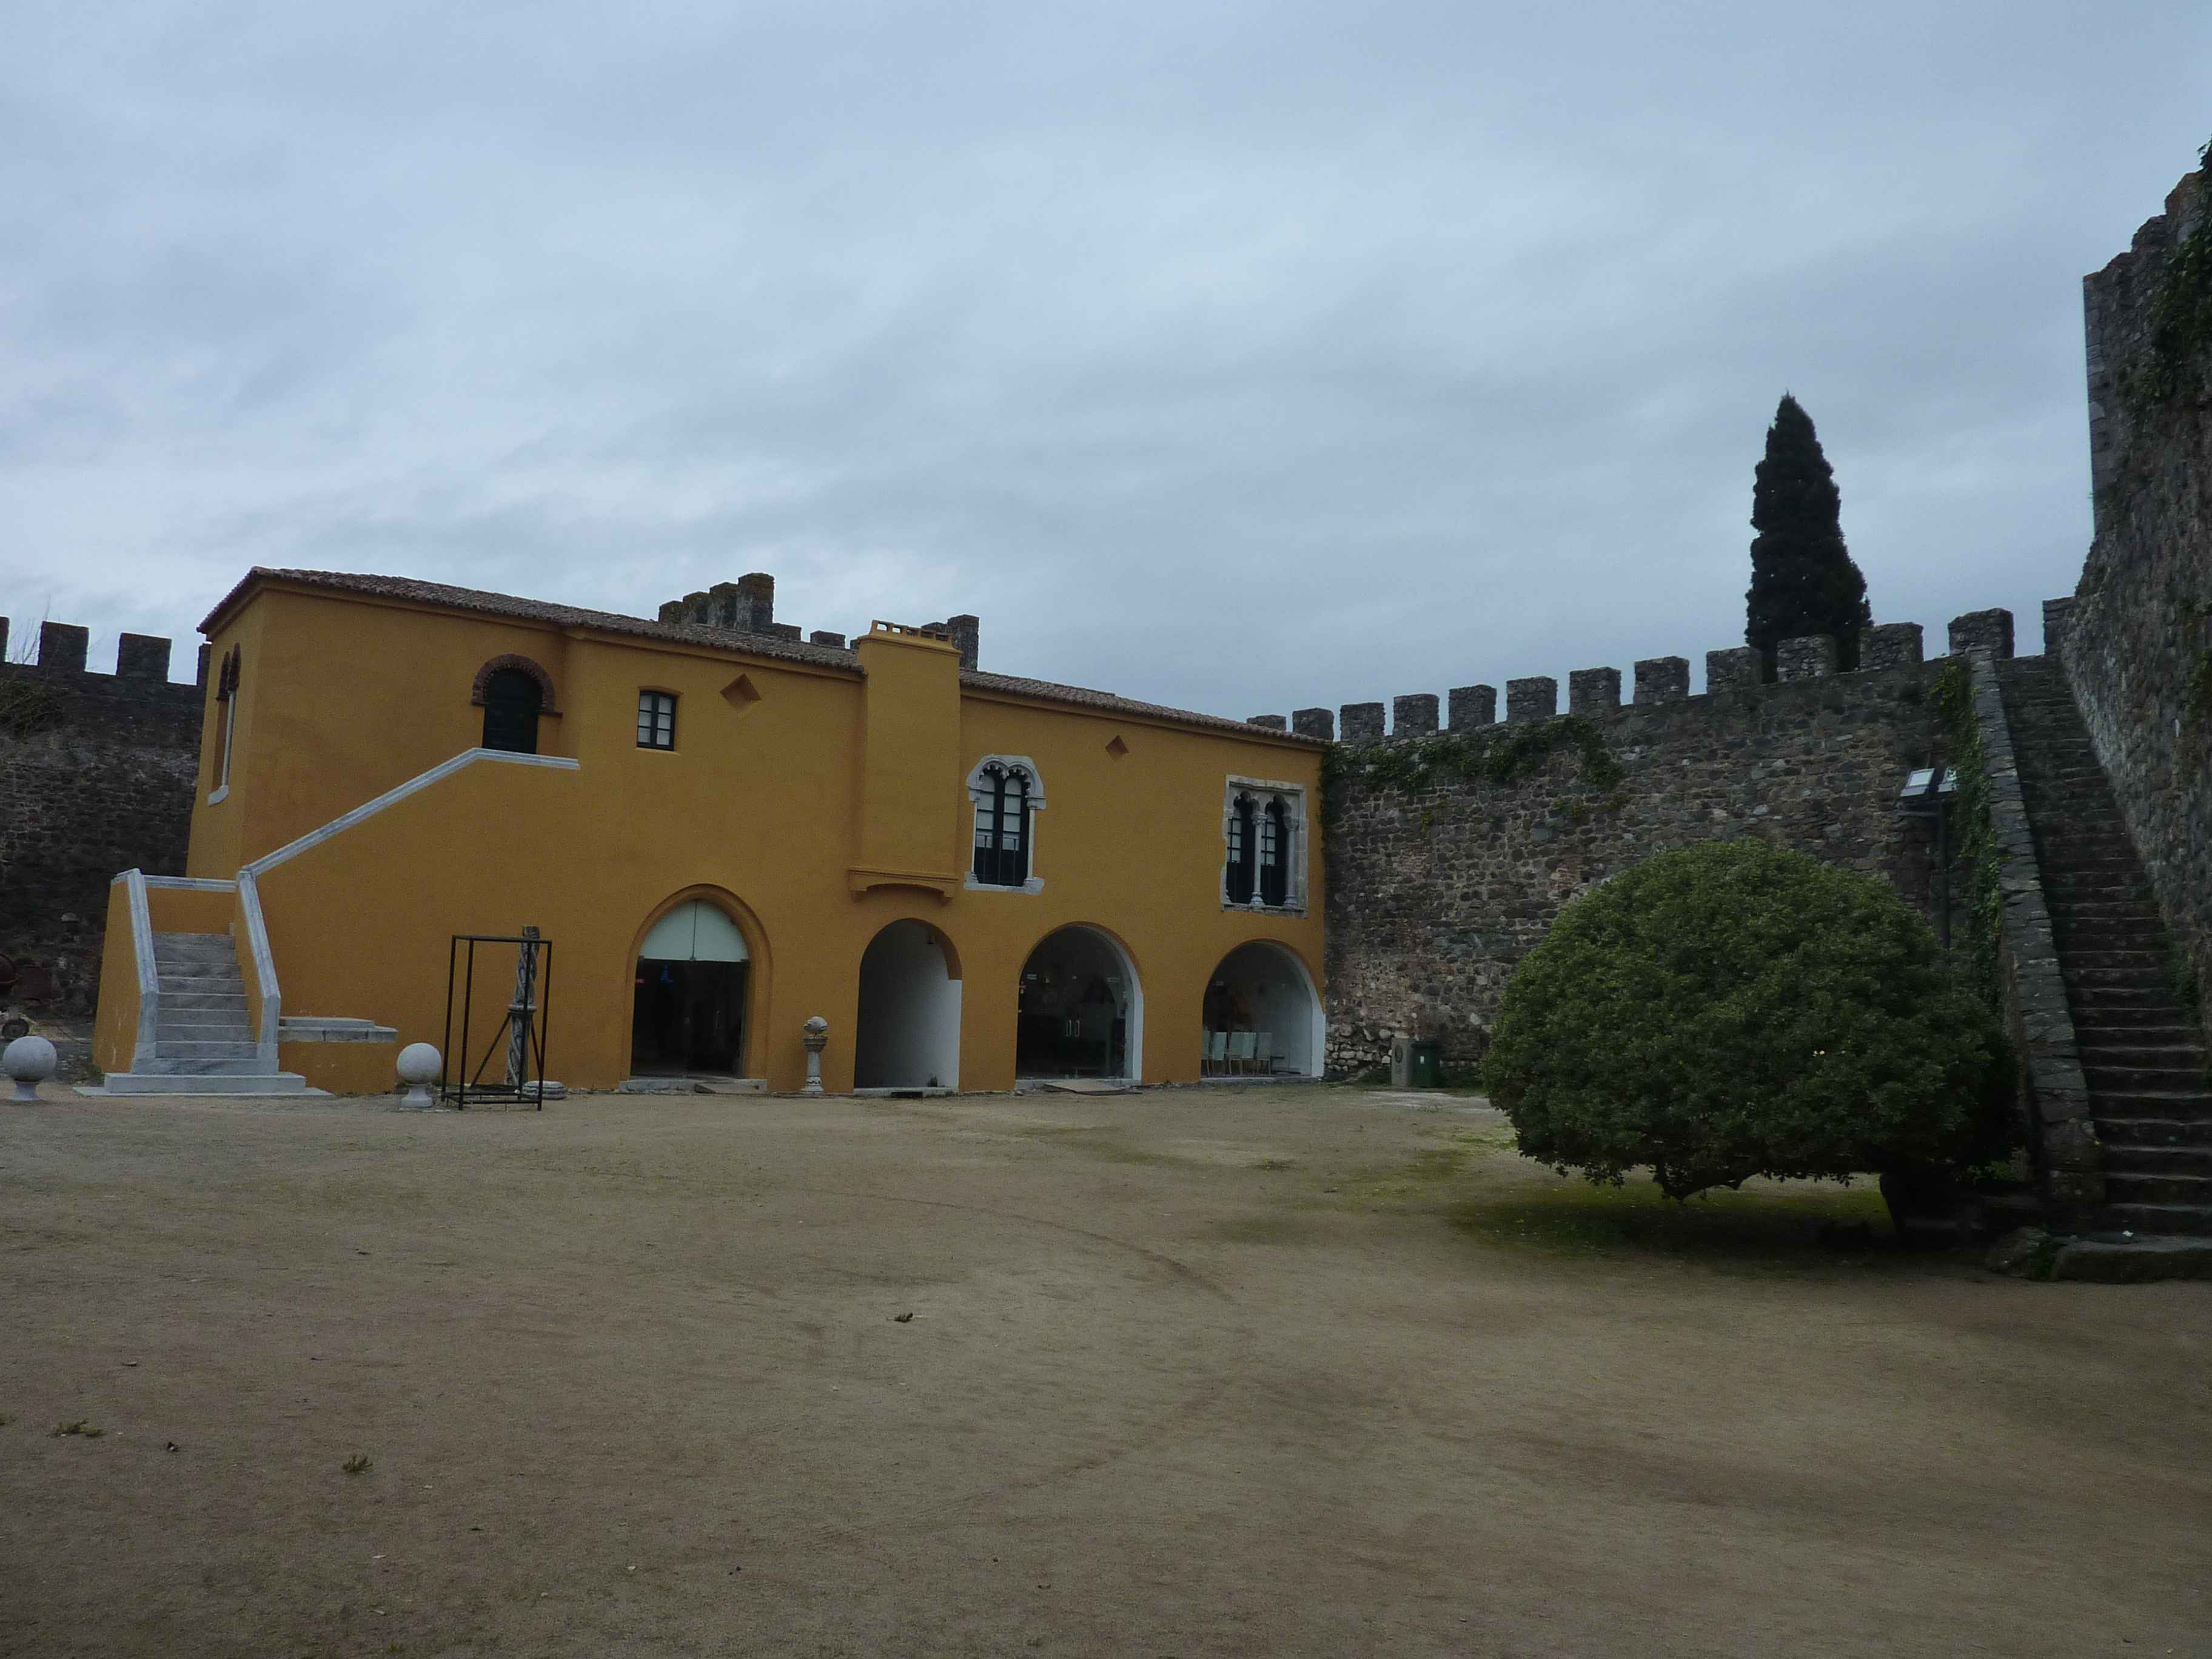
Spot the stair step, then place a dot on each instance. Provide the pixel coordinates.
(164, 943)
(2188, 1058)
(227, 1066)
(2157, 1160)
(2181, 1042)
(2153, 1103)
(198, 1015)
(2168, 1220)
(2136, 1187)
(2133, 1079)
(204, 1000)
(2154, 1131)
(2126, 1014)
(168, 1083)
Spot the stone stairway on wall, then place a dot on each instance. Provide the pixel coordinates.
(203, 1041)
(2142, 1052)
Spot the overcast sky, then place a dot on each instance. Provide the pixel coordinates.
(1240, 356)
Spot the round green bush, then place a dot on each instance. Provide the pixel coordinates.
(1733, 1010)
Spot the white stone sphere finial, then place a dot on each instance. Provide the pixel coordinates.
(419, 1066)
(29, 1061)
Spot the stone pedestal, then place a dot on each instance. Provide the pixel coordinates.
(816, 1036)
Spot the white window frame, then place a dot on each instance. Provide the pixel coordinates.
(674, 701)
(1293, 797)
(980, 795)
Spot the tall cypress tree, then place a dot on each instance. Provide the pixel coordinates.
(1802, 578)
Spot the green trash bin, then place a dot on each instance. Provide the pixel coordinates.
(1428, 1064)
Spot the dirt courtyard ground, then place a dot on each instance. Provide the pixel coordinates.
(1290, 1370)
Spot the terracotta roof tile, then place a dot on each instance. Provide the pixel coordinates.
(722, 639)
(564, 616)
(1047, 691)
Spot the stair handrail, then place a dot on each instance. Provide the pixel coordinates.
(264, 968)
(142, 949)
(249, 886)
(2069, 1161)
(394, 796)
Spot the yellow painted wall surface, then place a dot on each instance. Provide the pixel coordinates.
(115, 1027)
(772, 793)
(189, 910)
(910, 726)
(342, 1068)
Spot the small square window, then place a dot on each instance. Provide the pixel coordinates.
(656, 719)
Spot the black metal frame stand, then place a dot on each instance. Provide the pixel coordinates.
(529, 1017)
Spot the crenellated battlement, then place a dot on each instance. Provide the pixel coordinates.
(1732, 672)
(62, 648)
(747, 606)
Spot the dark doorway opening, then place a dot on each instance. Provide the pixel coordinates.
(688, 1018)
(1074, 1004)
(512, 701)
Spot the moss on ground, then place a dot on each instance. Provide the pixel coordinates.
(1477, 1180)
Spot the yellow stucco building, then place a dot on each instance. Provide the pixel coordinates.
(724, 830)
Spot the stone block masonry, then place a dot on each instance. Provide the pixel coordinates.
(1362, 722)
(2136, 640)
(1805, 659)
(1592, 690)
(1434, 895)
(1537, 698)
(1732, 670)
(1413, 716)
(1470, 705)
(1662, 679)
(96, 775)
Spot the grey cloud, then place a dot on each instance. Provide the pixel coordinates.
(1236, 355)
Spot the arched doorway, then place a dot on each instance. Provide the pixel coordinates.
(908, 1032)
(1081, 1009)
(512, 700)
(689, 1016)
(1263, 1016)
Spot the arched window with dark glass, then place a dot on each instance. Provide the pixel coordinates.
(511, 702)
(1274, 852)
(1002, 826)
(1243, 846)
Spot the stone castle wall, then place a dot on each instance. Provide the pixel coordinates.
(2136, 638)
(1435, 893)
(96, 775)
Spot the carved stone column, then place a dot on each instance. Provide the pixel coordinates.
(816, 1038)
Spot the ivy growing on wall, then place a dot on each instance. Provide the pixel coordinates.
(27, 707)
(1978, 852)
(2181, 310)
(1497, 755)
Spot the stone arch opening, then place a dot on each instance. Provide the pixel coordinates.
(907, 1034)
(691, 984)
(1263, 1016)
(1080, 1008)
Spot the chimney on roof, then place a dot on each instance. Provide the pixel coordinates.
(967, 634)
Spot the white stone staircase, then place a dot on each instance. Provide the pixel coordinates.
(204, 1040)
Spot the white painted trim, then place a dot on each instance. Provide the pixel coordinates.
(976, 785)
(1033, 804)
(149, 977)
(264, 968)
(413, 786)
(1132, 1032)
(191, 884)
(1294, 797)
